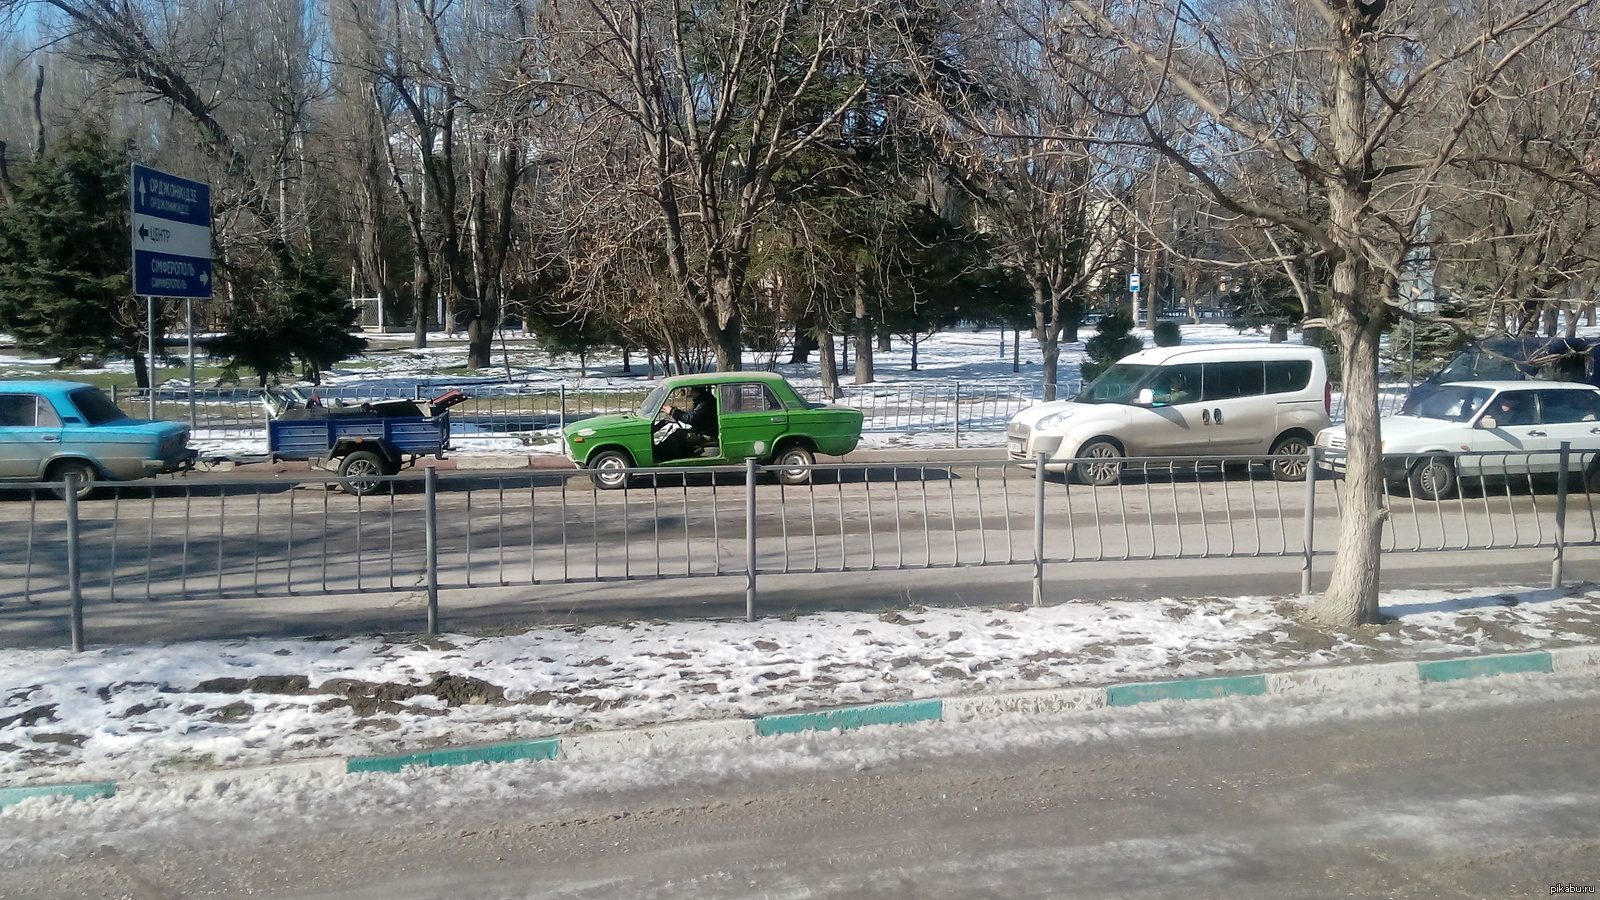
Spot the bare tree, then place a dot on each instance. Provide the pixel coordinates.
(1048, 203)
(718, 99)
(1343, 99)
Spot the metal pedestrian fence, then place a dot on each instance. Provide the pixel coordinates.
(271, 540)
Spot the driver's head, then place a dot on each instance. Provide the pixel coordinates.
(700, 392)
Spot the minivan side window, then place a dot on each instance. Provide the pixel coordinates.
(1228, 380)
(1286, 376)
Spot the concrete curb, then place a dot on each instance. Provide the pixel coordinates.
(696, 736)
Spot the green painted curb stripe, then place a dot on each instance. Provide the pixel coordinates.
(1193, 689)
(1451, 669)
(852, 717)
(14, 795)
(545, 748)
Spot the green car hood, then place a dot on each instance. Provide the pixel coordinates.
(614, 425)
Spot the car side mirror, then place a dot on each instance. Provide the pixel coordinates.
(1488, 422)
(1147, 397)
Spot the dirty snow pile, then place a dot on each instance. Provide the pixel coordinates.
(119, 712)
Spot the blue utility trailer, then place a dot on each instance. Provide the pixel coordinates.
(368, 440)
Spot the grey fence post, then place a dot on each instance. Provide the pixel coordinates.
(750, 539)
(1309, 537)
(74, 576)
(1038, 529)
(430, 524)
(1564, 470)
(958, 415)
(562, 421)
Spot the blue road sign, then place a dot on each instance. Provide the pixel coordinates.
(1133, 282)
(171, 235)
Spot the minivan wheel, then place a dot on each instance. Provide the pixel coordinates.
(1432, 478)
(1289, 458)
(1099, 463)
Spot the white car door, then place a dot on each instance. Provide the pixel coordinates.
(1515, 444)
(1572, 416)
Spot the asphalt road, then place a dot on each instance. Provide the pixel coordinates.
(1459, 802)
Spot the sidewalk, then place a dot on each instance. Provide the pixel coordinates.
(93, 723)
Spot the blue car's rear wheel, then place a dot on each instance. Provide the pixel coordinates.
(84, 471)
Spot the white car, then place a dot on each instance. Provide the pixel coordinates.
(1485, 429)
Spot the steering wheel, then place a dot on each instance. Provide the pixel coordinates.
(663, 416)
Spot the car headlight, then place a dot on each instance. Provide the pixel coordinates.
(1051, 421)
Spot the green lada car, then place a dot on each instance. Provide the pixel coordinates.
(757, 414)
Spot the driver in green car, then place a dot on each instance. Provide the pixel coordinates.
(695, 428)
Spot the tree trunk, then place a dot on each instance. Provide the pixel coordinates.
(480, 340)
(1047, 330)
(828, 360)
(1358, 320)
(863, 335)
(804, 343)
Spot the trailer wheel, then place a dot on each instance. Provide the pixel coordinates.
(358, 467)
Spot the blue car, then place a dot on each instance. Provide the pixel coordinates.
(51, 428)
(1575, 360)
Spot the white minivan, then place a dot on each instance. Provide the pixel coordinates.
(1206, 401)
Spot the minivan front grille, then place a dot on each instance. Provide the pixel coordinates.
(1018, 431)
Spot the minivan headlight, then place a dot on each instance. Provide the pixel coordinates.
(1052, 421)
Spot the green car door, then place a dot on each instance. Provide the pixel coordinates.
(750, 419)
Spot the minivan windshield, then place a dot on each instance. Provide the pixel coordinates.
(1118, 384)
(1454, 403)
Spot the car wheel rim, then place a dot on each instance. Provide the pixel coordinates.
(1101, 465)
(610, 471)
(792, 465)
(1291, 462)
(1433, 478)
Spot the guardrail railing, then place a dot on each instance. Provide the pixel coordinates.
(160, 541)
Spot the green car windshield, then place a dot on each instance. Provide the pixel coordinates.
(652, 402)
(1118, 384)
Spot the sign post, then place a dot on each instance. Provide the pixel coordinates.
(1133, 288)
(171, 249)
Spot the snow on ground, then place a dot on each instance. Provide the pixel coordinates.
(116, 712)
(123, 713)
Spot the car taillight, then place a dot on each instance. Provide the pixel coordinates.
(1327, 397)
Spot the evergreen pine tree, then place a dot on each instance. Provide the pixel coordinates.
(65, 261)
(300, 315)
(1112, 341)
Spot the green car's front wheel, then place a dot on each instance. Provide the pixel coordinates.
(610, 469)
